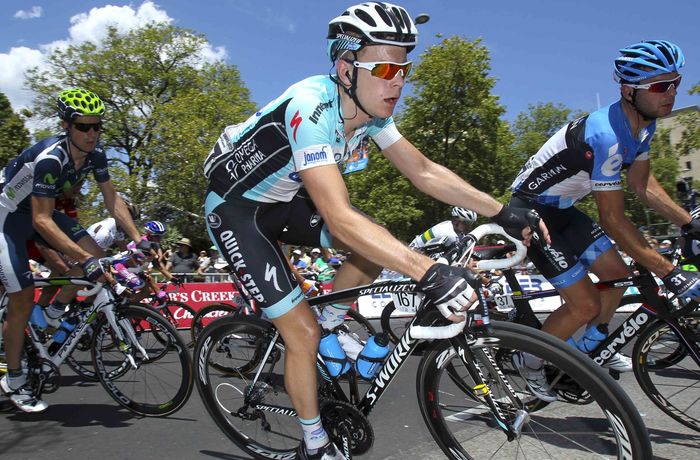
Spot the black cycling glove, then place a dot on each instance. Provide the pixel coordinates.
(682, 283)
(447, 287)
(514, 220)
(92, 269)
(692, 229)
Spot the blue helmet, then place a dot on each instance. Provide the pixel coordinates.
(648, 59)
(154, 227)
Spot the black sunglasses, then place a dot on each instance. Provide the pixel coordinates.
(85, 127)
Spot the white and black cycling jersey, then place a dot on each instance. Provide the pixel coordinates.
(585, 155)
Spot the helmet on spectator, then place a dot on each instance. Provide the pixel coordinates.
(465, 215)
(647, 59)
(78, 102)
(154, 227)
(371, 23)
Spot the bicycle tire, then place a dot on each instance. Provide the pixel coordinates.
(261, 433)
(153, 388)
(180, 316)
(460, 422)
(204, 317)
(667, 376)
(356, 323)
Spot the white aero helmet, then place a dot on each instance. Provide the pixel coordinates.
(371, 23)
(465, 215)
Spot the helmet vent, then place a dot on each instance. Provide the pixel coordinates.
(366, 18)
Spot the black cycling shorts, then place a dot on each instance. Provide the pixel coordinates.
(247, 235)
(577, 241)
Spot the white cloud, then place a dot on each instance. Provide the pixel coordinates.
(35, 12)
(89, 26)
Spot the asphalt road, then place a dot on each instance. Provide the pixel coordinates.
(84, 422)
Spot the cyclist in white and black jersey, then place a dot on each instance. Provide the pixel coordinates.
(317, 129)
(107, 232)
(586, 156)
(461, 223)
(30, 185)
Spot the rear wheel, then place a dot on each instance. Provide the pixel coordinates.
(180, 316)
(464, 426)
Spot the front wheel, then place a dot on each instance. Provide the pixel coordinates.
(668, 371)
(149, 371)
(454, 409)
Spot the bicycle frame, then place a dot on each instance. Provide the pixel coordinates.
(103, 302)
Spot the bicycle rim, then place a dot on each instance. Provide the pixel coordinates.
(149, 387)
(258, 418)
(207, 315)
(180, 316)
(667, 372)
(464, 426)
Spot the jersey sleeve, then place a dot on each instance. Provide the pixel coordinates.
(99, 160)
(310, 130)
(384, 132)
(606, 174)
(47, 172)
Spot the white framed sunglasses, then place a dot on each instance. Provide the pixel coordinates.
(385, 70)
(658, 86)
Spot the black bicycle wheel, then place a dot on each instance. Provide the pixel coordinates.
(145, 386)
(260, 419)
(464, 427)
(180, 316)
(667, 371)
(209, 314)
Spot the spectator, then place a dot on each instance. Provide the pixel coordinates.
(183, 260)
(213, 263)
(203, 258)
(297, 260)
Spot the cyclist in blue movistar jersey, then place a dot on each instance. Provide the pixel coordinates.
(588, 156)
(30, 185)
(316, 130)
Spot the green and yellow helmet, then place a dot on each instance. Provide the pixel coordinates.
(78, 102)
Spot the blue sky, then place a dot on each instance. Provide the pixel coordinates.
(541, 51)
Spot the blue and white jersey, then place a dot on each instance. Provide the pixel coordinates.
(585, 155)
(261, 158)
(46, 169)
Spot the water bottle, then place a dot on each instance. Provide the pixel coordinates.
(64, 329)
(37, 319)
(372, 355)
(333, 354)
(592, 337)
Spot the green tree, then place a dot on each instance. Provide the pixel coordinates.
(453, 119)
(14, 137)
(166, 105)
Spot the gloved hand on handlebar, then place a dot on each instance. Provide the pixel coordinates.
(692, 228)
(92, 269)
(682, 283)
(516, 220)
(447, 287)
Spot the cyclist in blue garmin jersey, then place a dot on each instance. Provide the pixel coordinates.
(316, 130)
(588, 156)
(30, 185)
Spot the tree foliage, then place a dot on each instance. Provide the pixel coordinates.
(14, 137)
(690, 139)
(452, 118)
(166, 105)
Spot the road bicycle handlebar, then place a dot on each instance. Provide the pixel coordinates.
(498, 264)
(438, 332)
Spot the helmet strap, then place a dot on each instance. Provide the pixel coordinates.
(633, 103)
(352, 90)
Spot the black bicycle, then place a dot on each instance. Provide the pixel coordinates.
(472, 398)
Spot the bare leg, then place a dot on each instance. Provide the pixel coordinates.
(18, 312)
(301, 335)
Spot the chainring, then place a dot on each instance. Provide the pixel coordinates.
(44, 377)
(343, 419)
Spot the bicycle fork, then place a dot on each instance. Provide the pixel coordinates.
(482, 391)
(121, 326)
